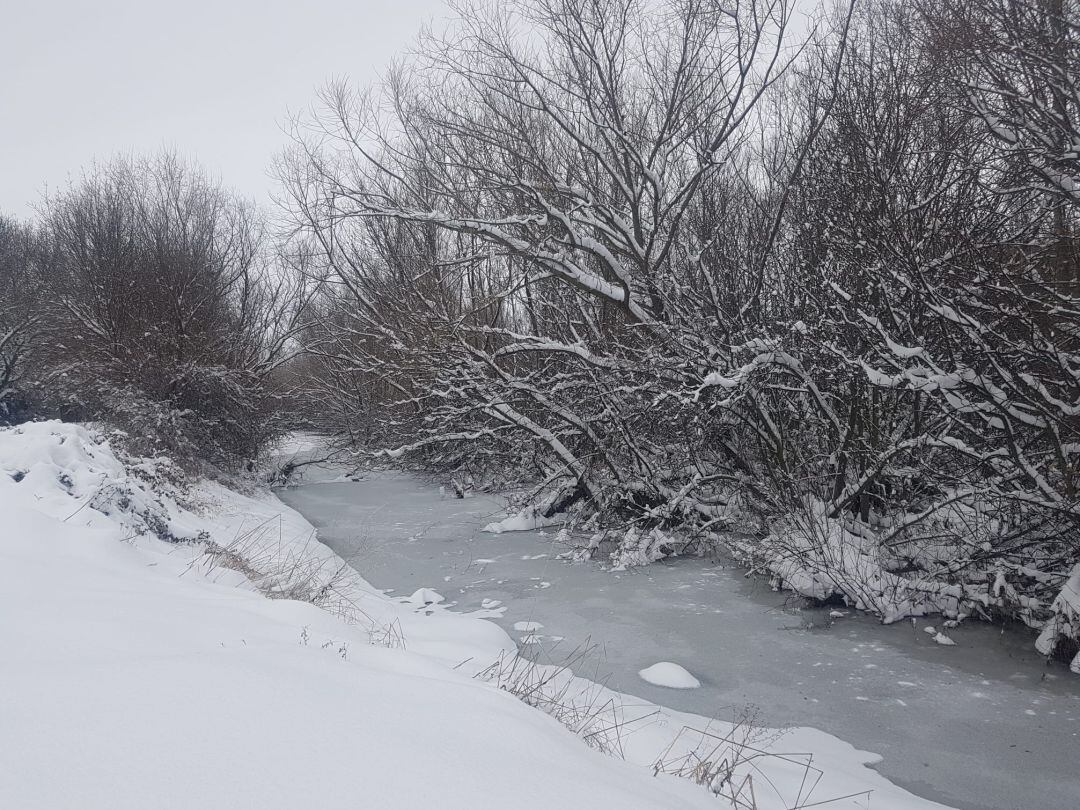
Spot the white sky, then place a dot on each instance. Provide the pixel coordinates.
(81, 79)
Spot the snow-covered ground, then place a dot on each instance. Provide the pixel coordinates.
(143, 673)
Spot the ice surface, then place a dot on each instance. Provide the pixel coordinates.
(751, 646)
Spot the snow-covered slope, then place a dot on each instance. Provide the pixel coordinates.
(140, 673)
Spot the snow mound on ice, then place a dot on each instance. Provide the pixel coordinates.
(526, 520)
(667, 674)
(425, 596)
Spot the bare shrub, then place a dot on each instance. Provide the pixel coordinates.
(166, 312)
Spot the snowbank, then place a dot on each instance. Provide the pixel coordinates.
(140, 672)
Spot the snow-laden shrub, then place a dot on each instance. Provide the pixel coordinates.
(825, 558)
(640, 547)
(1061, 633)
(215, 415)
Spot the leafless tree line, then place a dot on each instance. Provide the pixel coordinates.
(691, 268)
(147, 297)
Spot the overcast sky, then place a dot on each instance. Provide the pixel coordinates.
(214, 79)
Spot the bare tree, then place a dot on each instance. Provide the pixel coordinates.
(1019, 61)
(692, 276)
(166, 306)
(20, 286)
(545, 163)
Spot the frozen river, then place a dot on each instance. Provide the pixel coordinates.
(984, 725)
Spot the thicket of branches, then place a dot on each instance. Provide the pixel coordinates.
(694, 270)
(147, 297)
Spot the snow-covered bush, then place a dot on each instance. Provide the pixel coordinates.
(163, 311)
(1061, 633)
(640, 547)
